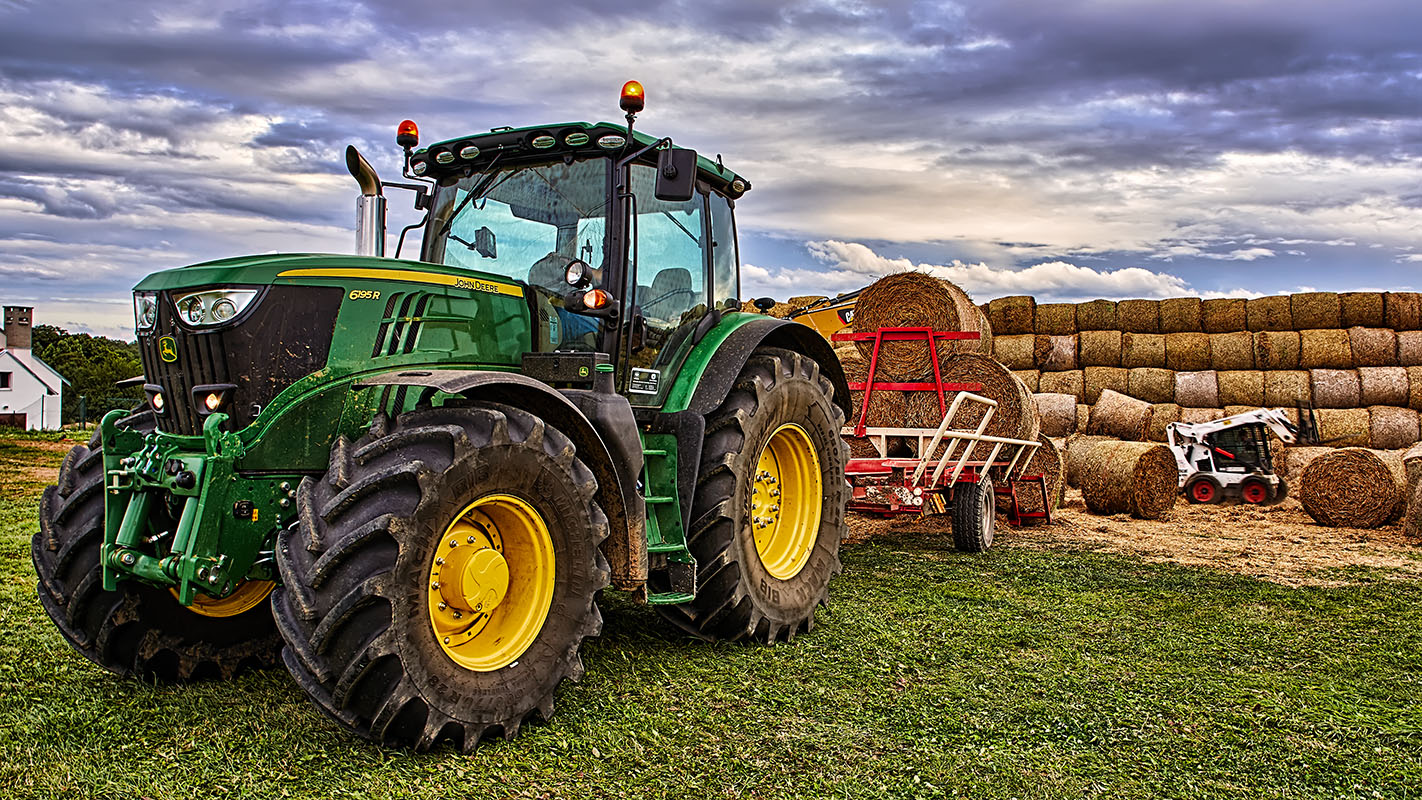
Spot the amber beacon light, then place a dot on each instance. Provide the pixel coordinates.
(634, 98)
(408, 134)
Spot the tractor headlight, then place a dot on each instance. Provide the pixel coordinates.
(212, 307)
(145, 310)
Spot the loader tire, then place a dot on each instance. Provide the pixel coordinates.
(137, 630)
(399, 548)
(763, 571)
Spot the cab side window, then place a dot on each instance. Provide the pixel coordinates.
(725, 259)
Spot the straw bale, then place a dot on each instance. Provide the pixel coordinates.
(1057, 413)
(887, 409)
(1055, 353)
(1180, 315)
(1078, 447)
(1382, 386)
(1056, 319)
(1097, 315)
(1197, 389)
(1392, 428)
(1361, 309)
(1223, 315)
(1373, 347)
(1030, 378)
(1268, 313)
(1336, 388)
(1315, 310)
(1402, 311)
(1276, 350)
(1136, 478)
(1344, 427)
(1119, 415)
(1142, 350)
(1015, 417)
(1188, 352)
(1284, 388)
(1046, 460)
(1414, 388)
(1291, 462)
(1232, 350)
(1099, 379)
(984, 343)
(1242, 388)
(1409, 349)
(1083, 416)
(910, 299)
(1012, 315)
(1325, 349)
(1015, 352)
(1162, 415)
(1072, 382)
(1353, 488)
(1230, 411)
(1139, 316)
(1151, 384)
(1099, 348)
(1412, 464)
(1412, 517)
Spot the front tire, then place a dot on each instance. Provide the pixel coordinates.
(768, 513)
(443, 576)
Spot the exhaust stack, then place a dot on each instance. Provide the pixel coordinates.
(370, 206)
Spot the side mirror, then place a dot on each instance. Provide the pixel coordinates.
(676, 175)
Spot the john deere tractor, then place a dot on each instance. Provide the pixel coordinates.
(410, 480)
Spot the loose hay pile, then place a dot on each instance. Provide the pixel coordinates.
(1136, 478)
(1353, 488)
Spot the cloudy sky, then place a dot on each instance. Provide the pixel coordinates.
(1066, 148)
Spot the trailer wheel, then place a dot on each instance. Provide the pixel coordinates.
(443, 576)
(974, 515)
(1203, 490)
(1255, 491)
(769, 509)
(137, 630)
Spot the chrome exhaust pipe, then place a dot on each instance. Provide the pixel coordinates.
(370, 206)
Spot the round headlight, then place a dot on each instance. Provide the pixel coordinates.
(147, 311)
(192, 309)
(468, 151)
(577, 274)
(444, 157)
(223, 310)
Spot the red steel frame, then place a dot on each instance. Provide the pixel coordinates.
(928, 335)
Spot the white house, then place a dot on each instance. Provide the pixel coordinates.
(30, 390)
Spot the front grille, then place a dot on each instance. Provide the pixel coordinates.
(285, 336)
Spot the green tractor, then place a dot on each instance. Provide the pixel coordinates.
(410, 480)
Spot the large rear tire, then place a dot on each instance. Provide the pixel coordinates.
(769, 508)
(443, 576)
(136, 630)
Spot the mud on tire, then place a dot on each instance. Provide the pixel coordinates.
(137, 630)
(353, 607)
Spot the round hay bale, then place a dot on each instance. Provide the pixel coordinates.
(1224, 315)
(1361, 309)
(1072, 382)
(1392, 428)
(1242, 388)
(1230, 411)
(1197, 389)
(1012, 315)
(909, 299)
(1373, 347)
(1291, 462)
(1180, 315)
(1382, 386)
(1162, 415)
(1097, 315)
(1187, 352)
(1099, 348)
(1336, 388)
(1015, 417)
(1015, 352)
(1412, 517)
(1056, 319)
(984, 342)
(1412, 464)
(1139, 316)
(1151, 385)
(1345, 427)
(856, 367)
(1232, 350)
(1352, 488)
(1078, 446)
(1268, 313)
(1276, 350)
(1402, 311)
(1030, 378)
(1083, 416)
(1409, 349)
(1099, 379)
(1142, 350)
(887, 409)
(1057, 413)
(1193, 415)
(1055, 353)
(1136, 478)
(1119, 415)
(1414, 388)
(1315, 310)
(1325, 349)
(1287, 388)
(1046, 461)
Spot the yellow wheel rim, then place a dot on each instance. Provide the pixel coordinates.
(785, 501)
(248, 595)
(491, 582)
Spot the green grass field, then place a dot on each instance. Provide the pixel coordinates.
(1018, 673)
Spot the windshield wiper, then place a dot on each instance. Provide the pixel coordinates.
(475, 193)
(684, 229)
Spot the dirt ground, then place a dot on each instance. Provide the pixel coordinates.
(1277, 543)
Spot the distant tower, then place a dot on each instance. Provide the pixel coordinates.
(17, 327)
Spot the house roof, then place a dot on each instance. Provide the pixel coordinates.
(40, 371)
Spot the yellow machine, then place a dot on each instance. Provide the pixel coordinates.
(830, 315)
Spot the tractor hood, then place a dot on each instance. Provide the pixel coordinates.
(274, 268)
